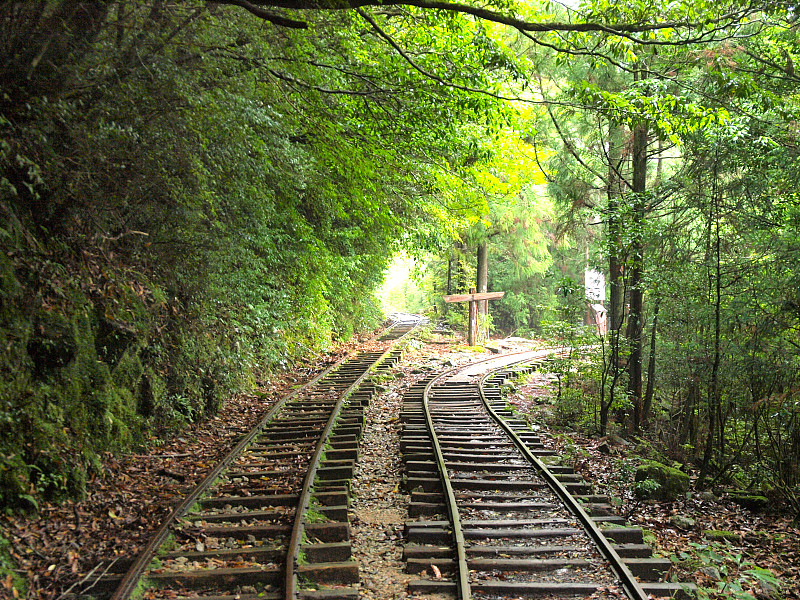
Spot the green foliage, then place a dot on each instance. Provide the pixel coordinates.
(190, 201)
(313, 515)
(572, 362)
(572, 452)
(647, 488)
(712, 234)
(69, 389)
(621, 482)
(400, 291)
(522, 260)
(513, 218)
(737, 576)
(191, 198)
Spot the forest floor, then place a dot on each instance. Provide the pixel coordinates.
(741, 561)
(60, 546)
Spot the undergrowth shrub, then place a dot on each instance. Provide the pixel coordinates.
(728, 573)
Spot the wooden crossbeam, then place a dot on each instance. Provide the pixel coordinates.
(473, 297)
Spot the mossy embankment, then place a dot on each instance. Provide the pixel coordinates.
(98, 357)
(172, 225)
(89, 366)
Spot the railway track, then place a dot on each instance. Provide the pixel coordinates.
(494, 514)
(270, 520)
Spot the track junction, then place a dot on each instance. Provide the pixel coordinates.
(492, 513)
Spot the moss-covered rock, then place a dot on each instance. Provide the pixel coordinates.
(682, 522)
(659, 482)
(107, 341)
(52, 343)
(750, 501)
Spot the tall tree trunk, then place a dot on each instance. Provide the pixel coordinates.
(651, 368)
(615, 274)
(482, 286)
(634, 335)
(688, 420)
(715, 437)
(463, 283)
(634, 330)
(450, 273)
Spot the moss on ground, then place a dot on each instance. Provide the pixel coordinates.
(716, 535)
(754, 502)
(8, 572)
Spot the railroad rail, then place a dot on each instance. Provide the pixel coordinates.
(269, 521)
(494, 514)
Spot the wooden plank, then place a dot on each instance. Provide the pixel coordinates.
(473, 297)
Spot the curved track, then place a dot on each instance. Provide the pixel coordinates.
(497, 522)
(270, 520)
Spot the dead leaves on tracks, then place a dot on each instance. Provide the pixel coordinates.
(126, 503)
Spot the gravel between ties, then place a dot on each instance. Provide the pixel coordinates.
(379, 508)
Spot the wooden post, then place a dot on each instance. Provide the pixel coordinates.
(473, 298)
(472, 330)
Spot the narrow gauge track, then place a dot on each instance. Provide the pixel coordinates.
(270, 521)
(491, 519)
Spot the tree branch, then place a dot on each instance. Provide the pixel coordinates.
(262, 13)
(322, 90)
(567, 143)
(621, 29)
(389, 40)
